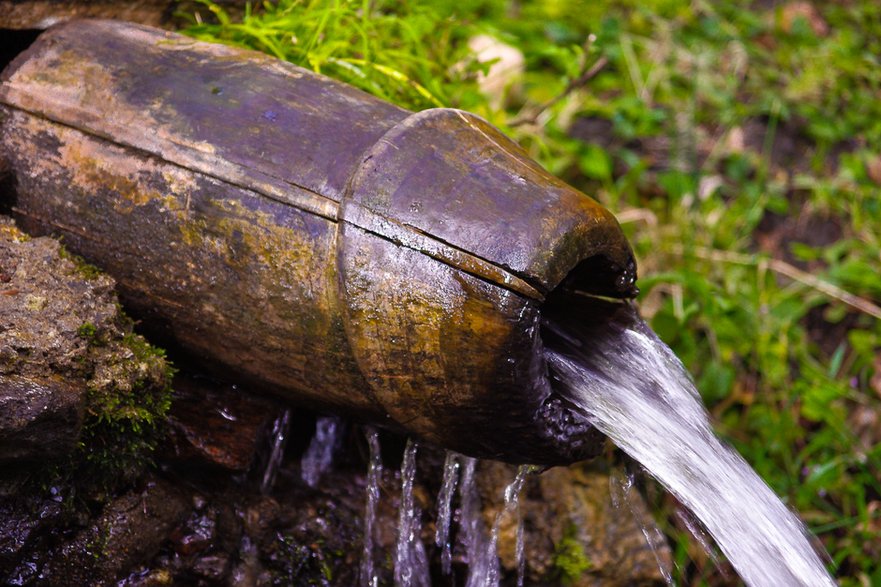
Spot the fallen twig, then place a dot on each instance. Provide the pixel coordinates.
(581, 80)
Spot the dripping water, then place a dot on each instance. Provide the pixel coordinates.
(623, 496)
(486, 572)
(697, 531)
(319, 455)
(631, 387)
(471, 529)
(445, 510)
(411, 563)
(280, 428)
(369, 577)
(520, 552)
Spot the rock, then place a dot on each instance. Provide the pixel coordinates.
(23, 519)
(316, 538)
(130, 530)
(40, 14)
(71, 370)
(573, 534)
(213, 568)
(38, 419)
(506, 69)
(229, 534)
(156, 578)
(43, 304)
(216, 424)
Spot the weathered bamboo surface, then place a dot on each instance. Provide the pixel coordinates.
(339, 250)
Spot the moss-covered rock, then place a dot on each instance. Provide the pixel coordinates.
(77, 386)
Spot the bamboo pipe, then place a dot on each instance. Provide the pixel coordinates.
(342, 252)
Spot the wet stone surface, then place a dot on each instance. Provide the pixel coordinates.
(215, 423)
(129, 529)
(570, 522)
(44, 302)
(38, 418)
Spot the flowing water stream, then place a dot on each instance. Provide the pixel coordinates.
(624, 497)
(280, 428)
(632, 387)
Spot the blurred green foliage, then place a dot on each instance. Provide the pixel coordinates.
(740, 145)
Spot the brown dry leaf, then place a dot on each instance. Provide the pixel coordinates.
(873, 525)
(795, 10)
(873, 169)
(864, 422)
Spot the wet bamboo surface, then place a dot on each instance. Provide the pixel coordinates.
(342, 252)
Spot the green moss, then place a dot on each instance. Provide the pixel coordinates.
(35, 303)
(127, 403)
(570, 560)
(129, 398)
(87, 331)
(83, 268)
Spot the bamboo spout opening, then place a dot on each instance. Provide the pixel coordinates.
(13, 42)
(591, 294)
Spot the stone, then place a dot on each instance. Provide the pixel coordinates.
(22, 520)
(506, 69)
(574, 535)
(216, 424)
(38, 419)
(71, 369)
(130, 530)
(44, 302)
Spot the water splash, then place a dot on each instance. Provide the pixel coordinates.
(319, 456)
(368, 574)
(411, 564)
(623, 495)
(633, 389)
(445, 510)
(280, 428)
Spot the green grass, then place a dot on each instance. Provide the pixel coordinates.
(741, 148)
(407, 55)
